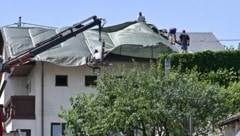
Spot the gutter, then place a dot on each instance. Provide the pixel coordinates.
(42, 99)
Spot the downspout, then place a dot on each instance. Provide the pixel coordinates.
(42, 99)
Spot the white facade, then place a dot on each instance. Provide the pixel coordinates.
(40, 82)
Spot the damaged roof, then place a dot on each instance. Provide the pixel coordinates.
(134, 39)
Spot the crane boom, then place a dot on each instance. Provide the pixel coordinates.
(51, 42)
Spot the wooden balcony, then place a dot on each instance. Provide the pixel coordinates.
(20, 107)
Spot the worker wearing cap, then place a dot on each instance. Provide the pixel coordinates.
(184, 41)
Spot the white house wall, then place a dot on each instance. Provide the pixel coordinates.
(55, 96)
(34, 79)
(15, 86)
(25, 124)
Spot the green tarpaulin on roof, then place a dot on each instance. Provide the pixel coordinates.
(129, 39)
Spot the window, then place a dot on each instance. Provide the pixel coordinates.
(57, 129)
(90, 80)
(61, 80)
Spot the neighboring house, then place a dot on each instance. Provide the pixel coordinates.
(35, 91)
(231, 125)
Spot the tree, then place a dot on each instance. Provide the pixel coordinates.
(145, 101)
(232, 98)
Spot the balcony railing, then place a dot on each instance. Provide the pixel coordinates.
(20, 107)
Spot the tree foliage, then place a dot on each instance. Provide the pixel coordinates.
(150, 102)
(232, 98)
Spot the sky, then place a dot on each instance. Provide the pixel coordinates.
(221, 17)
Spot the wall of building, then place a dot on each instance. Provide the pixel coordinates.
(25, 124)
(57, 96)
(15, 86)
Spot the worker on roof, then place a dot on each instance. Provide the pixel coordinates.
(141, 18)
(172, 35)
(97, 57)
(184, 41)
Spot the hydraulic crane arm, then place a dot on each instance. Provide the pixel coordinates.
(51, 42)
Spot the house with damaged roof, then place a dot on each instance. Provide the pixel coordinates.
(34, 91)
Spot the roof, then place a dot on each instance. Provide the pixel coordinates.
(202, 41)
(132, 39)
(128, 39)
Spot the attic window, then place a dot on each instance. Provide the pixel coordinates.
(61, 80)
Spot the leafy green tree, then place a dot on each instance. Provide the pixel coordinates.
(232, 98)
(149, 102)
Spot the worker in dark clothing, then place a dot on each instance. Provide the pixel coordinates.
(184, 41)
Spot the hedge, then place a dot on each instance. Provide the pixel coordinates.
(222, 65)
